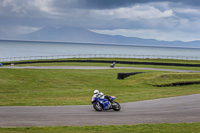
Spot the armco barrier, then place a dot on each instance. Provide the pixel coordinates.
(125, 75)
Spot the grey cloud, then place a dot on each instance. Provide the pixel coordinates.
(78, 13)
(121, 3)
(19, 9)
(109, 4)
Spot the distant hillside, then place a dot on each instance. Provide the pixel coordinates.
(68, 34)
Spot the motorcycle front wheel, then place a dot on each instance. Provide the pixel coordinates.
(116, 106)
(97, 106)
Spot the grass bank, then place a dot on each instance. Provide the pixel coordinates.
(140, 128)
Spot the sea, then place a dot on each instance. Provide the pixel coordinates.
(11, 48)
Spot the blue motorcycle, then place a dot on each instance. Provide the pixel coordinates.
(100, 104)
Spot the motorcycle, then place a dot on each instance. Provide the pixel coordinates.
(100, 104)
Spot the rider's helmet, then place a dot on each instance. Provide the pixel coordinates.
(96, 92)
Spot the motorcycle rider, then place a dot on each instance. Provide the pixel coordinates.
(106, 103)
(101, 95)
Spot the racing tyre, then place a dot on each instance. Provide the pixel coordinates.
(116, 106)
(97, 106)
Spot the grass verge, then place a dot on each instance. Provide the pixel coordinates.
(140, 128)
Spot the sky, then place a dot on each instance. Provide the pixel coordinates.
(167, 20)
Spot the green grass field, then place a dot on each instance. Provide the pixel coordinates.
(140, 128)
(36, 87)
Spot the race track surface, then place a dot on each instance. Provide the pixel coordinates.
(165, 110)
(95, 67)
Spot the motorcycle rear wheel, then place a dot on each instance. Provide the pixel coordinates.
(116, 106)
(97, 106)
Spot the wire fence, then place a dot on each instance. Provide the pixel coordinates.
(9, 59)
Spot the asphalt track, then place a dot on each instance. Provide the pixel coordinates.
(96, 67)
(165, 110)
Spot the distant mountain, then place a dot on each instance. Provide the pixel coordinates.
(68, 34)
(65, 34)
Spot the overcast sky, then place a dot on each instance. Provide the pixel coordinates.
(157, 19)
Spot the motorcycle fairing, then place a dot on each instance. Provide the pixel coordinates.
(104, 102)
